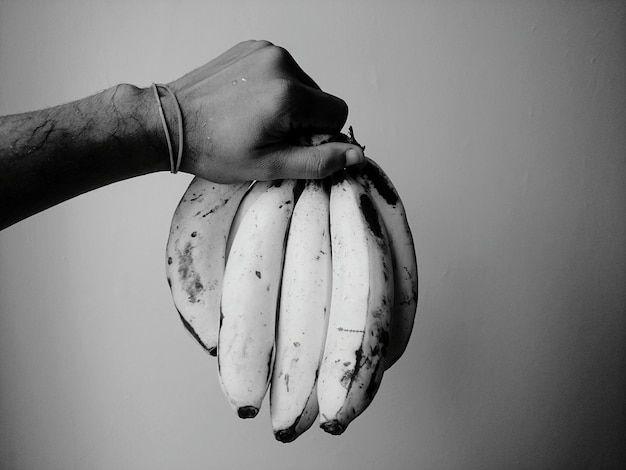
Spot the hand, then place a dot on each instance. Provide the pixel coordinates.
(243, 113)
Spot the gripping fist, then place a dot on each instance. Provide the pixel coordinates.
(245, 111)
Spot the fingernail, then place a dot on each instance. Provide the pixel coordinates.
(354, 156)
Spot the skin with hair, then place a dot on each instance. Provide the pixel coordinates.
(243, 116)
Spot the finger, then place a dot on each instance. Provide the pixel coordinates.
(312, 110)
(312, 162)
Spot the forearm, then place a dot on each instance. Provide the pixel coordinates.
(230, 133)
(52, 155)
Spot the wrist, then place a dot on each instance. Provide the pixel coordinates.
(138, 109)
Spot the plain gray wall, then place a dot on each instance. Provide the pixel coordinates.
(502, 125)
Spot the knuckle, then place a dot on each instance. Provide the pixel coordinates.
(283, 87)
(270, 169)
(254, 44)
(275, 56)
(246, 43)
(261, 43)
(317, 167)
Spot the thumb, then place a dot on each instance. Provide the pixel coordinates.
(316, 162)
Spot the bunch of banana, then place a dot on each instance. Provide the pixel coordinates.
(307, 289)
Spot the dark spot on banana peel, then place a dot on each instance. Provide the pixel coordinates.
(194, 234)
(373, 173)
(193, 333)
(375, 380)
(383, 338)
(371, 215)
(186, 260)
(195, 289)
(347, 380)
(258, 274)
(247, 412)
(191, 283)
(349, 330)
(169, 260)
(208, 213)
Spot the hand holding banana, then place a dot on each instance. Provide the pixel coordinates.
(307, 288)
(243, 110)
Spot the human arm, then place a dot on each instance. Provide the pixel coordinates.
(54, 154)
(241, 113)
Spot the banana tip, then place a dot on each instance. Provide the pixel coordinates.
(246, 412)
(333, 427)
(285, 435)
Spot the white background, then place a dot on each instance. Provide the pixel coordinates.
(502, 125)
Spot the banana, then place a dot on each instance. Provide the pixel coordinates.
(195, 255)
(254, 191)
(391, 209)
(303, 314)
(360, 310)
(245, 351)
